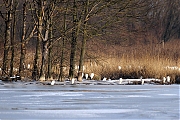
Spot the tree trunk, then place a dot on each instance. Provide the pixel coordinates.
(23, 46)
(50, 52)
(62, 51)
(83, 47)
(62, 61)
(35, 73)
(12, 43)
(44, 54)
(7, 41)
(73, 43)
(6, 49)
(47, 16)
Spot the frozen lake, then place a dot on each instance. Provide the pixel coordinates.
(89, 102)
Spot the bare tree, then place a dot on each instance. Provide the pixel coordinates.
(43, 16)
(63, 46)
(7, 17)
(37, 14)
(73, 41)
(13, 39)
(83, 47)
(172, 20)
(48, 12)
(162, 19)
(23, 48)
(49, 69)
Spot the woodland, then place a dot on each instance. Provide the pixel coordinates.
(60, 39)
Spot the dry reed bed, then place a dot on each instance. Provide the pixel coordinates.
(149, 61)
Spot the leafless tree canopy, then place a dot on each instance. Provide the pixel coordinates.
(44, 39)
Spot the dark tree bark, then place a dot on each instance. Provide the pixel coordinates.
(49, 71)
(7, 41)
(23, 44)
(63, 48)
(83, 46)
(73, 42)
(47, 16)
(13, 41)
(35, 72)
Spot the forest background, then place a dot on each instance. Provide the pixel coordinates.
(58, 39)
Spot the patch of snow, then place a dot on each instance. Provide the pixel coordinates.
(86, 75)
(53, 82)
(91, 75)
(104, 79)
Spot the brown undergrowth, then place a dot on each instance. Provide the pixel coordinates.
(148, 61)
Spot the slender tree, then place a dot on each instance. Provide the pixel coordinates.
(50, 46)
(83, 46)
(48, 14)
(23, 47)
(73, 41)
(37, 14)
(7, 17)
(13, 39)
(42, 15)
(63, 48)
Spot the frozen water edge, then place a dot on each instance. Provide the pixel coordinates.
(72, 114)
(89, 102)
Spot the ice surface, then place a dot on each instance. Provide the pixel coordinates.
(89, 102)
